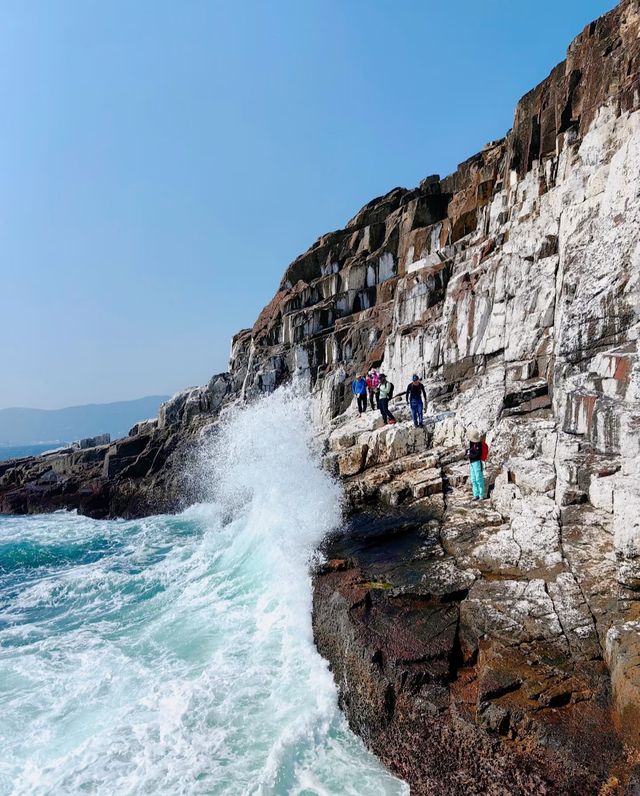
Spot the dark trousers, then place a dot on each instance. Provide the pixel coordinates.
(383, 403)
(362, 402)
(417, 408)
(373, 398)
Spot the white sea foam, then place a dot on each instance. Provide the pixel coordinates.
(175, 655)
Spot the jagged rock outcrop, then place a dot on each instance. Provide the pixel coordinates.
(495, 646)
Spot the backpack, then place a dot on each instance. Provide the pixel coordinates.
(391, 388)
(484, 451)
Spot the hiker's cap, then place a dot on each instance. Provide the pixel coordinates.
(474, 435)
(415, 378)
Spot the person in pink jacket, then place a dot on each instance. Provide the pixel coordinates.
(373, 383)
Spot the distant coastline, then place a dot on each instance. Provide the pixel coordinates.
(32, 431)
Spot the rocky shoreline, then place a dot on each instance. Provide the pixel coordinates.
(464, 675)
(541, 649)
(488, 648)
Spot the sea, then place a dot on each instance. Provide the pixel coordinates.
(35, 449)
(175, 654)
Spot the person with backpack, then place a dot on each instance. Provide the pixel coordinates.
(373, 383)
(414, 395)
(385, 394)
(359, 389)
(477, 454)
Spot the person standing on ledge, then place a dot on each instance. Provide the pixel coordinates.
(476, 455)
(385, 393)
(415, 395)
(373, 382)
(359, 388)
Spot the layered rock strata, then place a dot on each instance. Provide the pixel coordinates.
(511, 286)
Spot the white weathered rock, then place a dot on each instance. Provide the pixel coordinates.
(601, 490)
(424, 482)
(626, 526)
(393, 442)
(530, 543)
(574, 615)
(516, 611)
(531, 476)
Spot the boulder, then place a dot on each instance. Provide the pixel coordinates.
(94, 442)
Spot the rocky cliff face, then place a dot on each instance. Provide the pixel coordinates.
(512, 287)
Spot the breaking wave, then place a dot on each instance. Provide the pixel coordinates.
(175, 654)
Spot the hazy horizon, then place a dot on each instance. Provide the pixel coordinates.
(89, 403)
(162, 165)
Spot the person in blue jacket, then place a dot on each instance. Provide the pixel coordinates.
(415, 395)
(359, 388)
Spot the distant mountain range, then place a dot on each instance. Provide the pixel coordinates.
(19, 426)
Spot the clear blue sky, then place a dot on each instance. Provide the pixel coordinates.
(162, 162)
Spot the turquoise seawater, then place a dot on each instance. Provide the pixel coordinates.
(174, 654)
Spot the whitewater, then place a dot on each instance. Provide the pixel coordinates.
(175, 654)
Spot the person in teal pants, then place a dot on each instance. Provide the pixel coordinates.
(474, 454)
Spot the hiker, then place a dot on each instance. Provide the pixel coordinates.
(477, 454)
(373, 382)
(415, 394)
(385, 393)
(359, 388)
